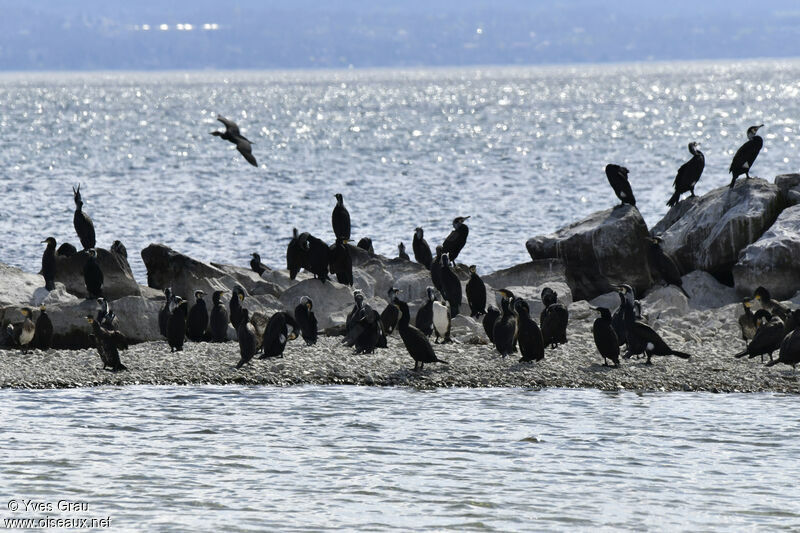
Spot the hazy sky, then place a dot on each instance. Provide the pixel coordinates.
(183, 34)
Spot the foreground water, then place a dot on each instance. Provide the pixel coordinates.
(521, 150)
(311, 458)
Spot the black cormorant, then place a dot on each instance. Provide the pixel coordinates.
(105, 316)
(23, 334)
(505, 328)
(118, 248)
(553, 319)
(350, 321)
(82, 222)
(529, 336)
(441, 321)
(49, 264)
(451, 285)
(317, 256)
(618, 178)
(665, 264)
(176, 325)
(108, 343)
(277, 334)
(688, 175)
(422, 252)
(492, 314)
(340, 219)
(256, 265)
(247, 339)
(769, 335)
(391, 314)
(164, 312)
(424, 320)
(295, 253)
(625, 313)
(747, 321)
(436, 270)
(368, 324)
(66, 250)
(642, 339)
(43, 337)
(365, 243)
(605, 338)
(306, 320)
(401, 252)
(232, 134)
(455, 242)
(790, 351)
(476, 293)
(93, 275)
(237, 297)
(763, 300)
(341, 264)
(218, 318)
(197, 321)
(417, 344)
(746, 154)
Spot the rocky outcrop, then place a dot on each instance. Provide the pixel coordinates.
(118, 278)
(712, 231)
(773, 261)
(332, 300)
(607, 248)
(532, 273)
(18, 286)
(789, 185)
(251, 282)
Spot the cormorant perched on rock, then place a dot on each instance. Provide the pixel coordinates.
(476, 293)
(436, 270)
(164, 312)
(49, 264)
(197, 321)
(82, 222)
(605, 338)
(176, 325)
(23, 334)
(451, 285)
(232, 134)
(237, 297)
(763, 300)
(688, 175)
(424, 320)
(256, 265)
(317, 256)
(505, 329)
(295, 253)
(790, 351)
(341, 264)
(642, 339)
(618, 178)
(66, 250)
(769, 335)
(441, 321)
(118, 248)
(93, 275)
(529, 336)
(625, 313)
(665, 264)
(340, 219)
(306, 320)
(417, 344)
(43, 337)
(422, 252)
(248, 343)
(391, 314)
(492, 314)
(747, 321)
(365, 243)
(455, 242)
(277, 334)
(367, 323)
(746, 154)
(554, 319)
(108, 342)
(401, 252)
(218, 319)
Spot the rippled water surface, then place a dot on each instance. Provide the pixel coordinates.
(311, 458)
(521, 150)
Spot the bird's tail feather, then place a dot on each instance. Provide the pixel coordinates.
(441, 361)
(773, 362)
(673, 199)
(682, 355)
(740, 354)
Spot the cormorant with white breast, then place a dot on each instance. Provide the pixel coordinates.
(529, 336)
(340, 219)
(83, 222)
(232, 134)
(417, 344)
(23, 334)
(218, 319)
(605, 338)
(476, 293)
(688, 175)
(49, 264)
(618, 178)
(441, 321)
(93, 275)
(422, 251)
(746, 155)
(306, 320)
(665, 264)
(197, 321)
(455, 242)
(451, 285)
(424, 320)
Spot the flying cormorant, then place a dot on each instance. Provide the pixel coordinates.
(401, 252)
(256, 265)
(492, 314)
(746, 154)
(451, 285)
(93, 275)
(176, 325)
(365, 243)
(417, 344)
(441, 321)
(455, 242)
(553, 319)
(232, 134)
(422, 252)
(391, 314)
(665, 264)
(476, 293)
(618, 178)
(769, 335)
(306, 320)
(118, 248)
(688, 175)
(424, 320)
(108, 343)
(505, 329)
(529, 336)
(340, 219)
(605, 338)
(197, 321)
(49, 264)
(341, 264)
(43, 337)
(218, 319)
(82, 222)
(277, 334)
(247, 339)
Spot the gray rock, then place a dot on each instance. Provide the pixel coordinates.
(117, 275)
(706, 292)
(789, 185)
(252, 282)
(18, 286)
(605, 249)
(717, 226)
(532, 273)
(666, 301)
(609, 300)
(772, 261)
(332, 301)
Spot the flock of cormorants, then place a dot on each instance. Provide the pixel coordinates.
(510, 327)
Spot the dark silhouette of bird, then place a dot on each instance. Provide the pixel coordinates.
(197, 320)
(23, 334)
(317, 256)
(436, 270)
(164, 312)
(296, 253)
(553, 319)
(248, 343)
(768, 337)
(176, 325)
(422, 251)
(505, 328)
(417, 344)
(491, 316)
(605, 338)
(529, 336)
(218, 319)
(93, 275)
(66, 250)
(49, 264)
(618, 178)
(747, 321)
(424, 319)
(401, 252)
(746, 155)
(105, 316)
(108, 343)
(450, 285)
(306, 320)
(84, 226)
(367, 323)
(43, 336)
(341, 264)
(625, 313)
(642, 339)
(688, 175)
(365, 243)
(237, 298)
(455, 242)
(277, 334)
(790, 351)
(232, 134)
(340, 219)
(665, 264)
(256, 265)
(476, 293)
(391, 314)
(118, 248)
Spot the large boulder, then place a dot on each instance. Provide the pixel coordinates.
(789, 185)
(773, 261)
(118, 278)
(251, 281)
(332, 300)
(706, 292)
(716, 227)
(605, 249)
(532, 273)
(18, 286)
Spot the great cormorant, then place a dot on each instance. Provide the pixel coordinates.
(688, 175)
(625, 313)
(256, 265)
(237, 297)
(451, 285)
(43, 338)
(618, 178)
(218, 319)
(455, 242)
(341, 264)
(553, 319)
(642, 339)
(746, 154)
(747, 321)
(441, 321)
(108, 343)
(49, 264)
(350, 321)
(82, 222)
(436, 270)
(340, 219)
(277, 334)
(24, 333)
(247, 339)
(306, 320)
(605, 338)
(505, 329)
(163, 313)
(422, 252)
(368, 324)
(197, 321)
(769, 335)
(417, 344)
(295, 253)
(118, 248)
(790, 351)
(529, 336)
(365, 243)
(317, 256)
(232, 134)
(105, 316)
(665, 264)
(391, 314)
(492, 314)
(476, 293)
(176, 325)
(93, 275)
(763, 300)
(401, 252)
(424, 320)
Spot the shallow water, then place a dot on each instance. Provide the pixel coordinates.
(521, 150)
(311, 458)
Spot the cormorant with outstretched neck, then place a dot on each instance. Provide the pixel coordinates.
(197, 322)
(295, 253)
(341, 264)
(401, 252)
(93, 275)
(554, 319)
(306, 320)
(688, 175)
(747, 321)
(176, 325)
(232, 134)
(277, 334)
(248, 342)
(451, 285)
(391, 314)
(424, 320)
(455, 242)
(237, 298)
(665, 264)
(164, 312)
(118, 248)
(618, 178)
(43, 338)
(108, 342)
(417, 344)
(605, 338)
(769, 335)
(218, 319)
(441, 321)
(49, 264)
(492, 314)
(529, 336)
(256, 265)
(746, 155)
(82, 222)
(505, 329)
(476, 293)
(365, 243)
(340, 219)
(422, 251)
